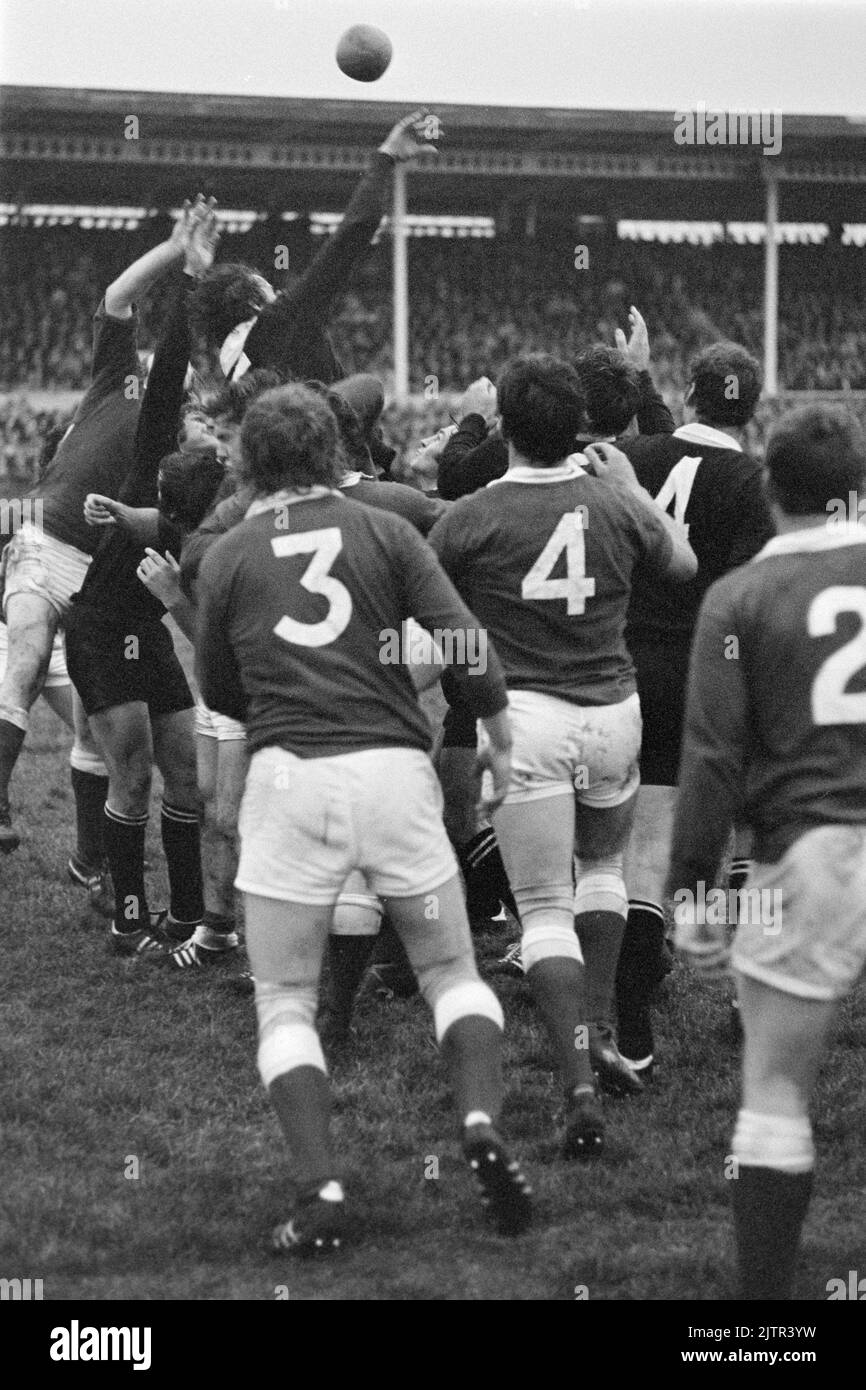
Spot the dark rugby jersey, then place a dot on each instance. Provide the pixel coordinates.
(775, 730)
(422, 511)
(296, 606)
(111, 582)
(289, 334)
(703, 479)
(552, 593)
(98, 451)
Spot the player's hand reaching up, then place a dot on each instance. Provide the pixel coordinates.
(415, 135)
(608, 462)
(636, 348)
(203, 237)
(160, 575)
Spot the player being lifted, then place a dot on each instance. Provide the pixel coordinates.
(544, 556)
(775, 734)
(295, 603)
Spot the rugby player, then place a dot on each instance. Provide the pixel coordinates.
(702, 475)
(545, 556)
(46, 563)
(294, 603)
(775, 734)
(121, 656)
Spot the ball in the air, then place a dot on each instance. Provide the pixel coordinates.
(364, 53)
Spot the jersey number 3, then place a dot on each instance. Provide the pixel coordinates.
(575, 587)
(831, 703)
(325, 546)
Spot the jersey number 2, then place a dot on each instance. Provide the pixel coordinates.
(831, 703)
(575, 587)
(325, 546)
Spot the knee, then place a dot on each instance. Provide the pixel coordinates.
(287, 1033)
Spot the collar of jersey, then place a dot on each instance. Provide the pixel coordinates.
(811, 538)
(286, 498)
(233, 360)
(696, 433)
(352, 478)
(561, 473)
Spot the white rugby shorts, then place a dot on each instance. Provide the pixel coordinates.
(306, 823)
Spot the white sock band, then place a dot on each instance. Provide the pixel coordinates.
(465, 1000)
(14, 714)
(549, 939)
(287, 1036)
(601, 888)
(783, 1142)
(86, 760)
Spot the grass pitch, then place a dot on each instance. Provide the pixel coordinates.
(141, 1159)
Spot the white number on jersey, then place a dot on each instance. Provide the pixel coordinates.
(325, 546)
(831, 704)
(575, 587)
(677, 488)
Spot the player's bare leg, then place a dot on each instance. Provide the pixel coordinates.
(434, 929)
(175, 756)
(286, 943)
(221, 766)
(600, 906)
(642, 963)
(124, 735)
(785, 1041)
(31, 622)
(537, 841)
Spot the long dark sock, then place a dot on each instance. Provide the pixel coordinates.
(348, 958)
(557, 985)
(769, 1210)
(90, 792)
(472, 1051)
(302, 1100)
(124, 848)
(600, 935)
(484, 872)
(181, 840)
(11, 741)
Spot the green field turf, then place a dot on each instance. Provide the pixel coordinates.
(106, 1062)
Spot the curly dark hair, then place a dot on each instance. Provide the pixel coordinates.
(542, 406)
(290, 439)
(188, 485)
(232, 400)
(816, 455)
(225, 296)
(726, 384)
(611, 387)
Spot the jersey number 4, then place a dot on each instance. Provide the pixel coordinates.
(575, 587)
(831, 702)
(325, 546)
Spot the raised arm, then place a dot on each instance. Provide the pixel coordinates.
(328, 274)
(653, 416)
(133, 283)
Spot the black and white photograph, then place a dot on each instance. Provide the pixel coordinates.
(432, 667)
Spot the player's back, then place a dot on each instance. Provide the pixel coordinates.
(314, 593)
(544, 558)
(699, 476)
(798, 612)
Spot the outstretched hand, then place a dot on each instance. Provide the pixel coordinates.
(636, 348)
(414, 135)
(203, 237)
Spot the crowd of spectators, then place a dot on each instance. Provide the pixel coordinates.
(473, 304)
